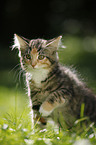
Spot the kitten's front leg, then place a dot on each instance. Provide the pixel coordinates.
(39, 118)
(46, 108)
(53, 101)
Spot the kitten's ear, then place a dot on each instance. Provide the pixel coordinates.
(19, 42)
(54, 42)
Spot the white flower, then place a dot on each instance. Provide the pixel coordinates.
(58, 138)
(29, 141)
(82, 142)
(47, 141)
(43, 130)
(5, 126)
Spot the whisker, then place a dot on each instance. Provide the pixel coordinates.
(17, 74)
(14, 72)
(14, 67)
(20, 73)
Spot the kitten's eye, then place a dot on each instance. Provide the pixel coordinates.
(40, 57)
(28, 56)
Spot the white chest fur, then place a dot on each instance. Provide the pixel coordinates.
(38, 75)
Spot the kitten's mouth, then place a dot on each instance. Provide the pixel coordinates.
(33, 66)
(38, 67)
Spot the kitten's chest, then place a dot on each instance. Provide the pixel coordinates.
(37, 76)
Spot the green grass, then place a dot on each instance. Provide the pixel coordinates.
(15, 118)
(16, 127)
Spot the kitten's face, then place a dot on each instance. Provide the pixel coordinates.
(36, 53)
(32, 59)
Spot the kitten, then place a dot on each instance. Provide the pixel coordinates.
(54, 90)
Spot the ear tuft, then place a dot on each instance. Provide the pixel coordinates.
(54, 42)
(16, 42)
(19, 42)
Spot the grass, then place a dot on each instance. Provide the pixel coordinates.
(15, 118)
(15, 125)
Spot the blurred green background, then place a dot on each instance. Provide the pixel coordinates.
(75, 20)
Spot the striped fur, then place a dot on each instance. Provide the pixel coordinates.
(53, 89)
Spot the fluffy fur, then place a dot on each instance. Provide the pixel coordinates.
(53, 89)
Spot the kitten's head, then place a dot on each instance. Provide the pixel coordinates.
(37, 53)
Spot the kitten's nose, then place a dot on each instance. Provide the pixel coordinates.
(33, 64)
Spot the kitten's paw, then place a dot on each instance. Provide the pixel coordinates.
(44, 112)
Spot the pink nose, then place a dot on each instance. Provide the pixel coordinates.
(33, 65)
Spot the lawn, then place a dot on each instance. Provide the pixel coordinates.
(15, 118)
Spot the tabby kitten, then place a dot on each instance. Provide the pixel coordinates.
(54, 90)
